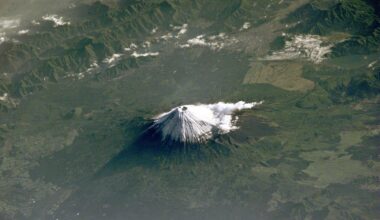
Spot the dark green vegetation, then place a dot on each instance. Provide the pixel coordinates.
(51, 53)
(71, 144)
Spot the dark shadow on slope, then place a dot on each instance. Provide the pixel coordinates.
(150, 151)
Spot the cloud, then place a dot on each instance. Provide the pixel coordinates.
(148, 54)
(214, 42)
(9, 23)
(198, 123)
(113, 59)
(57, 20)
(245, 26)
(24, 31)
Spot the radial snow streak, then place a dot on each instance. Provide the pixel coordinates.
(197, 123)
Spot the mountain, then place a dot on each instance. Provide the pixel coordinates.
(185, 124)
(358, 18)
(51, 53)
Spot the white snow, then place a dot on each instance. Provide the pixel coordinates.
(146, 44)
(182, 30)
(214, 42)
(198, 123)
(372, 64)
(198, 40)
(154, 30)
(25, 31)
(167, 36)
(245, 26)
(148, 54)
(309, 47)
(58, 21)
(112, 59)
(34, 22)
(2, 38)
(132, 46)
(184, 45)
(4, 97)
(80, 75)
(94, 66)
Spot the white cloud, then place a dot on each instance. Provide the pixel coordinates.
(92, 67)
(132, 46)
(9, 23)
(146, 44)
(154, 30)
(198, 123)
(4, 97)
(112, 59)
(167, 36)
(34, 22)
(198, 40)
(58, 21)
(2, 38)
(148, 54)
(25, 31)
(181, 30)
(214, 42)
(372, 64)
(245, 26)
